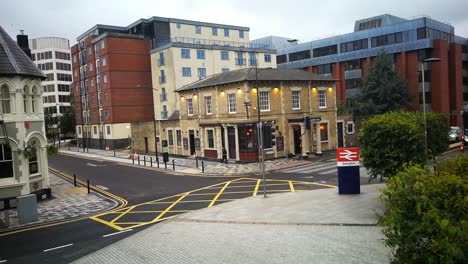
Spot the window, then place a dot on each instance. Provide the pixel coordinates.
(223, 70)
(208, 105)
(170, 137)
(240, 58)
(296, 99)
(197, 29)
(232, 103)
(352, 65)
(74, 58)
(323, 132)
(107, 113)
(322, 99)
(281, 59)
(353, 45)
(94, 127)
(350, 127)
(5, 98)
(252, 59)
(79, 128)
(200, 54)
(201, 72)
(75, 73)
(33, 164)
(264, 101)
(214, 31)
(226, 32)
(50, 77)
(387, 39)
(324, 51)
(104, 78)
(64, 77)
(108, 130)
(162, 77)
(300, 55)
(186, 72)
(241, 34)
(104, 61)
(179, 137)
(267, 58)
(189, 107)
(106, 96)
(33, 100)
(185, 53)
(90, 67)
(102, 44)
(210, 137)
(353, 83)
(224, 55)
(89, 51)
(25, 99)
(324, 68)
(92, 82)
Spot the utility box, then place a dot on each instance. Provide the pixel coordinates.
(347, 160)
(27, 208)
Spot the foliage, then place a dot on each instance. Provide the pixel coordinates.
(341, 109)
(382, 90)
(391, 140)
(51, 149)
(29, 152)
(67, 121)
(427, 213)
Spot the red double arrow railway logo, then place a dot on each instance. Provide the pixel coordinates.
(347, 156)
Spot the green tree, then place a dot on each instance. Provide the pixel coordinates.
(427, 213)
(382, 90)
(391, 140)
(67, 121)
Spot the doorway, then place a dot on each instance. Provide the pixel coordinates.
(146, 145)
(340, 134)
(192, 142)
(297, 140)
(232, 143)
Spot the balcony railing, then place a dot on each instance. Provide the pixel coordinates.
(164, 114)
(163, 97)
(96, 53)
(100, 103)
(212, 42)
(161, 61)
(162, 79)
(98, 70)
(240, 62)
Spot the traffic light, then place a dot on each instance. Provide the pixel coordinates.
(307, 122)
(273, 135)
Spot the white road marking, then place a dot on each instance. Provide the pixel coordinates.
(3, 261)
(311, 168)
(102, 187)
(50, 249)
(91, 164)
(328, 171)
(108, 235)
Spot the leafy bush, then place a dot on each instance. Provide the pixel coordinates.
(391, 140)
(427, 213)
(51, 149)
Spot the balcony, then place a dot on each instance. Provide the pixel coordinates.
(211, 42)
(96, 53)
(163, 97)
(98, 86)
(161, 61)
(164, 114)
(240, 62)
(162, 79)
(98, 70)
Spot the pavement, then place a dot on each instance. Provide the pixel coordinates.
(68, 202)
(183, 165)
(317, 226)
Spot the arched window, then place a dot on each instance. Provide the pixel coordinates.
(6, 161)
(5, 100)
(25, 99)
(34, 107)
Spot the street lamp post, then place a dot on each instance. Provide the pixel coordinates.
(430, 60)
(260, 130)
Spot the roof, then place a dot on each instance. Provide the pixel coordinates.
(264, 74)
(13, 60)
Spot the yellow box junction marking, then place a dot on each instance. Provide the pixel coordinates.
(116, 218)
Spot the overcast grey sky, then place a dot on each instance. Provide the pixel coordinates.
(301, 19)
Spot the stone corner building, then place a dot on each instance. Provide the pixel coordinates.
(21, 124)
(222, 110)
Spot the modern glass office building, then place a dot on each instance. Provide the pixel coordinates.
(409, 41)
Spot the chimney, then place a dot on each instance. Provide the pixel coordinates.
(23, 43)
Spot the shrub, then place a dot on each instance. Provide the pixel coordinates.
(427, 213)
(51, 149)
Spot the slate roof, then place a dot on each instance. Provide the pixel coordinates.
(264, 74)
(13, 61)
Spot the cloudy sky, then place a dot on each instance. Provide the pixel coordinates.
(301, 19)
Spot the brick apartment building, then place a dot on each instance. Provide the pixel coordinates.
(347, 57)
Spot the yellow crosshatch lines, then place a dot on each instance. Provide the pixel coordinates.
(159, 210)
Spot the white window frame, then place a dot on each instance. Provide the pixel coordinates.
(208, 138)
(178, 136)
(104, 61)
(3, 160)
(231, 97)
(298, 106)
(102, 44)
(328, 132)
(171, 138)
(322, 98)
(350, 123)
(104, 78)
(208, 105)
(91, 67)
(189, 102)
(264, 107)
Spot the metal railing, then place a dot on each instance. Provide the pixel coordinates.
(163, 97)
(213, 42)
(162, 79)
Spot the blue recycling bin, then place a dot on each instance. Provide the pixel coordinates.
(349, 180)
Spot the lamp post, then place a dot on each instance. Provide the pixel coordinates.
(430, 60)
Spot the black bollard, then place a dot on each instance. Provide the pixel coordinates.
(151, 161)
(202, 166)
(173, 164)
(157, 160)
(144, 160)
(196, 162)
(114, 152)
(133, 158)
(165, 165)
(87, 182)
(74, 179)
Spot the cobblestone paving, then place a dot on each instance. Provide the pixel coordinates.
(67, 202)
